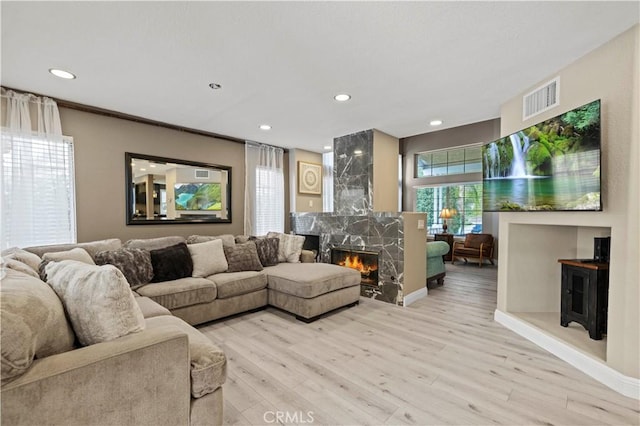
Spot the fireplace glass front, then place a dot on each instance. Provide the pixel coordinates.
(364, 261)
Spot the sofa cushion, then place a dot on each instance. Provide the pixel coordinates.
(150, 308)
(154, 243)
(179, 293)
(309, 280)
(98, 300)
(437, 248)
(267, 249)
(208, 361)
(34, 324)
(135, 264)
(232, 284)
(227, 239)
(24, 256)
(290, 246)
(171, 263)
(243, 257)
(208, 258)
(91, 247)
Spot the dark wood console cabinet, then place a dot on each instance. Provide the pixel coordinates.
(584, 298)
(448, 238)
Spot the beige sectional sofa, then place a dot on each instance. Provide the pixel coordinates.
(169, 373)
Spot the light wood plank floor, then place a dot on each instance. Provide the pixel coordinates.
(443, 360)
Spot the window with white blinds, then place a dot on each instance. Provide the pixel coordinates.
(269, 201)
(38, 190)
(264, 189)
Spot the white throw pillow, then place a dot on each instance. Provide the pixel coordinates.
(208, 258)
(290, 246)
(98, 300)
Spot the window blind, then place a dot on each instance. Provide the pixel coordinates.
(269, 200)
(37, 200)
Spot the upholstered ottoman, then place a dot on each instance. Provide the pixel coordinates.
(309, 290)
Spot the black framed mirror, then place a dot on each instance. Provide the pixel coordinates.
(169, 191)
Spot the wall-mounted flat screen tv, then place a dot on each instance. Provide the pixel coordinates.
(198, 196)
(552, 166)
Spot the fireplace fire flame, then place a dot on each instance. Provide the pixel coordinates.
(354, 262)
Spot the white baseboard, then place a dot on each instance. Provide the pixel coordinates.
(627, 386)
(412, 297)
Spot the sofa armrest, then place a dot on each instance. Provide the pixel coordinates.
(142, 378)
(437, 248)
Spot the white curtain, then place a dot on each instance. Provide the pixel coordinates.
(37, 201)
(264, 189)
(327, 182)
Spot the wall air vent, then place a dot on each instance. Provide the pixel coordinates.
(541, 99)
(202, 174)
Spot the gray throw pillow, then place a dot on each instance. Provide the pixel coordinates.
(267, 249)
(243, 257)
(135, 264)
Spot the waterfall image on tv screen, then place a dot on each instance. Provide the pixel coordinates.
(198, 196)
(554, 165)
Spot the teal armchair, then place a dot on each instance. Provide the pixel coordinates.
(435, 263)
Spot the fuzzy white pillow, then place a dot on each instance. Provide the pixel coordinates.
(290, 246)
(98, 300)
(208, 258)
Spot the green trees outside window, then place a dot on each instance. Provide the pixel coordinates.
(466, 199)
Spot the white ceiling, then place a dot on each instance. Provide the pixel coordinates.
(281, 63)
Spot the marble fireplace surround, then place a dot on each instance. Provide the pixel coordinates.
(380, 232)
(365, 189)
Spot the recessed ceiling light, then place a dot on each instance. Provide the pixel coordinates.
(265, 127)
(328, 147)
(152, 165)
(215, 86)
(62, 73)
(342, 97)
(143, 170)
(435, 122)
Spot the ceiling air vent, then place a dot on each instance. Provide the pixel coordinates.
(541, 99)
(202, 174)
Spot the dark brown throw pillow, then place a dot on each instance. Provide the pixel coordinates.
(135, 264)
(171, 263)
(243, 257)
(267, 250)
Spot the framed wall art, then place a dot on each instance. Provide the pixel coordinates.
(309, 178)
